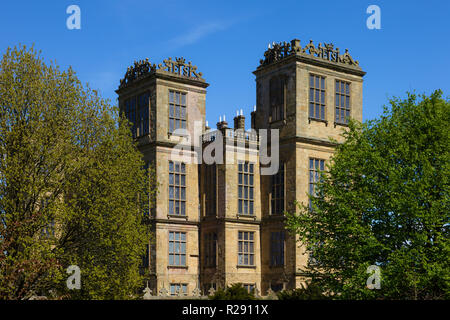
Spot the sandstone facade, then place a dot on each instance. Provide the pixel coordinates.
(224, 227)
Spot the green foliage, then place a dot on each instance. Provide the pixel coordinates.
(311, 291)
(233, 292)
(384, 201)
(68, 165)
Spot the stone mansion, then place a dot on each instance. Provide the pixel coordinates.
(221, 223)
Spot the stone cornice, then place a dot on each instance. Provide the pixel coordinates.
(174, 221)
(310, 140)
(234, 220)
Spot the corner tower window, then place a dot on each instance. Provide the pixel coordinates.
(245, 188)
(277, 97)
(316, 97)
(342, 101)
(177, 110)
(177, 188)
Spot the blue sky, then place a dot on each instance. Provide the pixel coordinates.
(226, 39)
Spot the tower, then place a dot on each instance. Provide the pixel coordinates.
(166, 104)
(308, 94)
(231, 213)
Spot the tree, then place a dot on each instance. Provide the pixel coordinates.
(311, 291)
(233, 292)
(73, 187)
(384, 201)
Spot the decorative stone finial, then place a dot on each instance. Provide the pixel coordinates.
(144, 67)
(271, 295)
(326, 51)
(197, 292)
(257, 293)
(147, 292)
(163, 292)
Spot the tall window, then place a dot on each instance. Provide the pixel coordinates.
(146, 257)
(245, 188)
(316, 97)
(342, 101)
(143, 114)
(149, 197)
(178, 287)
(277, 93)
(130, 114)
(246, 256)
(315, 166)
(177, 110)
(49, 230)
(211, 193)
(177, 248)
(277, 248)
(210, 249)
(177, 188)
(277, 201)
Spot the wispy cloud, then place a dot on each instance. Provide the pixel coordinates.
(199, 32)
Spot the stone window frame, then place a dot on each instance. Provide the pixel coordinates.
(277, 248)
(278, 87)
(179, 254)
(134, 110)
(143, 115)
(246, 169)
(150, 208)
(146, 257)
(338, 96)
(211, 190)
(314, 174)
(173, 198)
(131, 113)
(275, 186)
(177, 286)
(48, 231)
(250, 287)
(313, 104)
(174, 117)
(246, 248)
(211, 249)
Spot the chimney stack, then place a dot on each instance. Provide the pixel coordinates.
(222, 124)
(239, 120)
(253, 114)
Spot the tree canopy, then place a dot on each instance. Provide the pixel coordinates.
(73, 187)
(383, 200)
